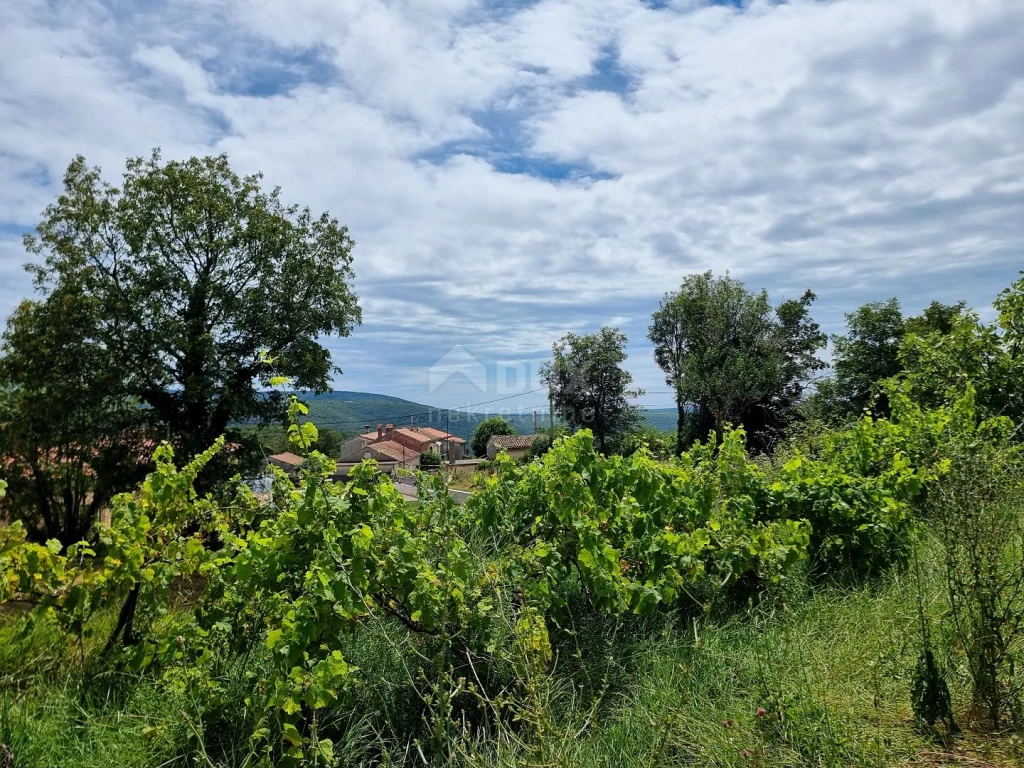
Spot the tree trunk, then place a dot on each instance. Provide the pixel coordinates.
(680, 424)
(125, 628)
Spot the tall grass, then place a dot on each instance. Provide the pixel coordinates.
(816, 679)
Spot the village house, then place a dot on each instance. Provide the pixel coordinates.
(515, 446)
(384, 450)
(387, 463)
(288, 461)
(413, 438)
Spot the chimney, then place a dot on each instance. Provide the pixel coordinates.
(389, 428)
(366, 429)
(380, 431)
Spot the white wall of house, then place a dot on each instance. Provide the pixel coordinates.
(350, 446)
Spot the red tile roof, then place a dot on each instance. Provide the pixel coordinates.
(437, 434)
(288, 458)
(395, 450)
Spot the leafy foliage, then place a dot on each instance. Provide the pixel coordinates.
(430, 459)
(640, 534)
(70, 439)
(541, 444)
(874, 350)
(940, 365)
(198, 285)
(589, 386)
(486, 429)
(867, 355)
(294, 578)
(731, 359)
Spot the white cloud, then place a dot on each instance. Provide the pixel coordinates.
(510, 173)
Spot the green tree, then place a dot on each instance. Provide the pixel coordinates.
(329, 441)
(937, 317)
(730, 358)
(203, 286)
(589, 386)
(939, 359)
(485, 430)
(802, 340)
(1010, 306)
(870, 353)
(69, 438)
(865, 356)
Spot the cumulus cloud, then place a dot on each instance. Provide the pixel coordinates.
(513, 171)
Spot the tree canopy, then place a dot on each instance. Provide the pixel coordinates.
(729, 357)
(870, 353)
(69, 438)
(589, 387)
(485, 430)
(167, 305)
(201, 286)
(949, 348)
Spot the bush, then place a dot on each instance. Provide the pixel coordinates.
(541, 444)
(639, 534)
(661, 445)
(294, 582)
(856, 497)
(429, 460)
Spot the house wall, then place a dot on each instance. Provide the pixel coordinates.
(350, 446)
(515, 453)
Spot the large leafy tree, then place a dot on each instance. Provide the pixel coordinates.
(590, 388)
(729, 357)
(485, 430)
(949, 347)
(865, 356)
(69, 440)
(802, 340)
(202, 285)
(869, 354)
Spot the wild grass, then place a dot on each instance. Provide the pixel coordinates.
(814, 677)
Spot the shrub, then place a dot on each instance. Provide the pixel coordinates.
(292, 582)
(859, 510)
(639, 533)
(541, 444)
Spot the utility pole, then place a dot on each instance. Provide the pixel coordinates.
(535, 422)
(551, 411)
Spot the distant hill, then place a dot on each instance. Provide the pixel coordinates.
(351, 411)
(663, 419)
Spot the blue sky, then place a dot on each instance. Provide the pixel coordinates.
(514, 171)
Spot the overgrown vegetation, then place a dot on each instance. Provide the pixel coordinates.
(478, 604)
(783, 582)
